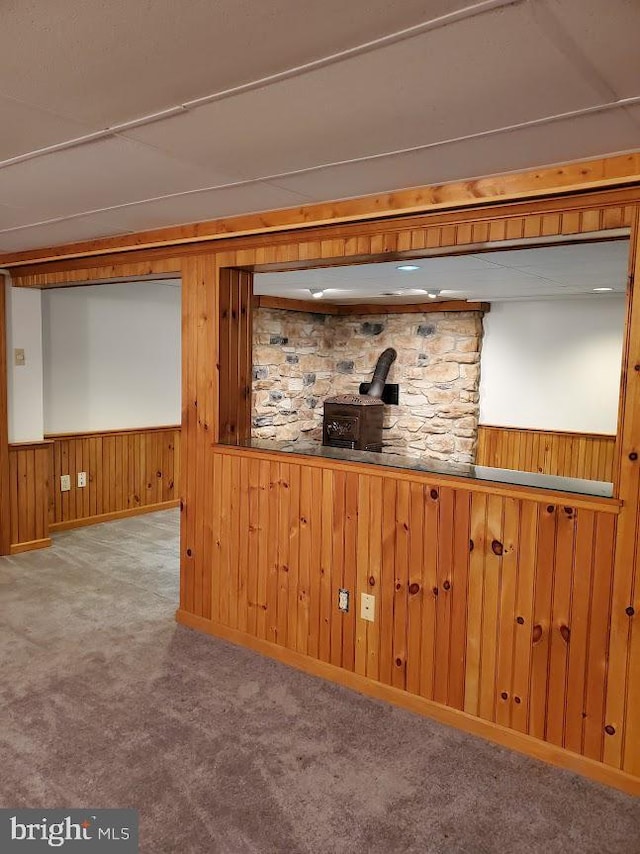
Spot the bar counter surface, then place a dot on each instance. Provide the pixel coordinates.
(578, 486)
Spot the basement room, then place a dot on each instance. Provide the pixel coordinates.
(320, 426)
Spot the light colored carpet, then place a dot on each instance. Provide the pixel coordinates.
(107, 703)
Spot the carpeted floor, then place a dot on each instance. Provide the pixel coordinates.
(107, 703)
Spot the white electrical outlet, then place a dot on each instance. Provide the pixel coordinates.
(65, 483)
(82, 479)
(343, 600)
(368, 607)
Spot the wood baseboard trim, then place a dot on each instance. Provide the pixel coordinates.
(110, 517)
(30, 545)
(521, 743)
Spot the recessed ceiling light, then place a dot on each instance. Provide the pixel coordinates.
(408, 268)
(602, 290)
(316, 293)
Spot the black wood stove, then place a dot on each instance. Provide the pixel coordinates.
(355, 420)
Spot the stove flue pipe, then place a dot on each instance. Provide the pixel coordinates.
(386, 359)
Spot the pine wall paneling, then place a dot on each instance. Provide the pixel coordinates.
(128, 472)
(584, 455)
(5, 499)
(29, 477)
(266, 540)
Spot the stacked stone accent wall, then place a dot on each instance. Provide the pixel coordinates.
(300, 359)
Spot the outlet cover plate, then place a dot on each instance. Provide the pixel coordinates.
(368, 607)
(82, 479)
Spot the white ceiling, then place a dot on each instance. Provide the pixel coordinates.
(135, 114)
(549, 272)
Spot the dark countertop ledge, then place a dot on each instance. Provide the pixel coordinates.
(578, 486)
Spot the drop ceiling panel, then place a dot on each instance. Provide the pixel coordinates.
(572, 139)
(544, 272)
(485, 72)
(606, 34)
(197, 207)
(10, 217)
(109, 62)
(97, 175)
(84, 228)
(25, 128)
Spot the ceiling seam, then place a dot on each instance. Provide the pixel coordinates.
(473, 10)
(272, 179)
(561, 38)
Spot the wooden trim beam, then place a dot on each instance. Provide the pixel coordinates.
(544, 430)
(109, 517)
(30, 546)
(51, 437)
(313, 307)
(577, 177)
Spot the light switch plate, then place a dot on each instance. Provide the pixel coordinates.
(18, 356)
(65, 482)
(82, 479)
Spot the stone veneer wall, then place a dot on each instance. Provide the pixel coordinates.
(300, 359)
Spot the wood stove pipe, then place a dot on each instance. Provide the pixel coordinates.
(386, 359)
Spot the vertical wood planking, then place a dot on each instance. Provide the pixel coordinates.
(125, 470)
(28, 485)
(587, 456)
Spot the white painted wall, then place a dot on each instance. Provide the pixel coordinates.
(111, 357)
(24, 382)
(553, 364)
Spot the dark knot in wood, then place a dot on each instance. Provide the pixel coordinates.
(630, 611)
(446, 585)
(633, 456)
(414, 588)
(398, 662)
(497, 548)
(434, 494)
(188, 552)
(504, 695)
(565, 633)
(372, 581)
(470, 545)
(520, 621)
(610, 730)
(550, 508)
(536, 634)
(517, 700)
(435, 591)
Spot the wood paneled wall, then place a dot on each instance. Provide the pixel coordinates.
(576, 654)
(487, 603)
(128, 472)
(590, 456)
(235, 361)
(5, 498)
(29, 466)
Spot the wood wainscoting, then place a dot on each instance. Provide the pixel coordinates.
(587, 455)
(128, 472)
(487, 601)
(29, 472)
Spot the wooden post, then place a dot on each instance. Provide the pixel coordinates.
(622, 719)
(5, 506)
